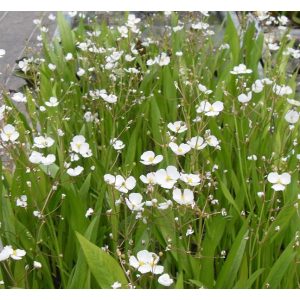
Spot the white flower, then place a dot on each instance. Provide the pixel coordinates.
(279, 180)
(2, 53)
(163, 59)
(212, 141)
(273, 46)
(204, 89)
(123, 30)
(109, 98)
(149, 158)
(52, 102)
(8, 252)
(165, 280)
(165, 205)
(42, 142)
(51, 17)
(183, 198)
(80, 72)
(244, 98)
(74, 157)
(22, 201)
(132, 70)
(257, 86)
(197, 142)
(60, 132)
(177, 28)
(35, 157)
(76, 171)
(116, 285)
(72, 14)
(149, 178)
(89, 212)
(79, 145)
(109, 179)
(48, 160)
(150, 62)
(260, 194)
(252, 157)
(146, 262)
(293, 102)
(69, 56)
(52, 67)
(117, 144)
(200, 26)
(89, 117)
(24, 65)
(181, 149)
(167, 178)
(128, 57)
(189, 231)
(283, 20)
(292, 116)
(177, 127)
(134, 202)
(240, 69)
(282, 90)
(9, 133)
(210, 109)
(37, 214)
(5, 253)
(267, 81)
(224, 46)
(124, 185)
(132, 20)
(19, 97)
(18, 254)
(190, 179)
(37, 265)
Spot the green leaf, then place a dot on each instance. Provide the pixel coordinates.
(232, 38)
(231, 266)
(104, 268)
(248, 284)
(280, 267)
(50, 170)
(179, 282)
(66, 33)
(229, 197)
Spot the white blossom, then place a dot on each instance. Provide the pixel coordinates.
(53, 102)
(185, 197)
(19, 97)
(280, 181)
(165, 280)
(210, 109)
(149, 158)
(146, 262)
(9, 133)
(75, 171)
(167, 178)
(240, 70)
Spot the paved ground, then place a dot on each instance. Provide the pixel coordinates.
(17, 31)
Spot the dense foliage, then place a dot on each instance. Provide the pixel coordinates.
(149, 157)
